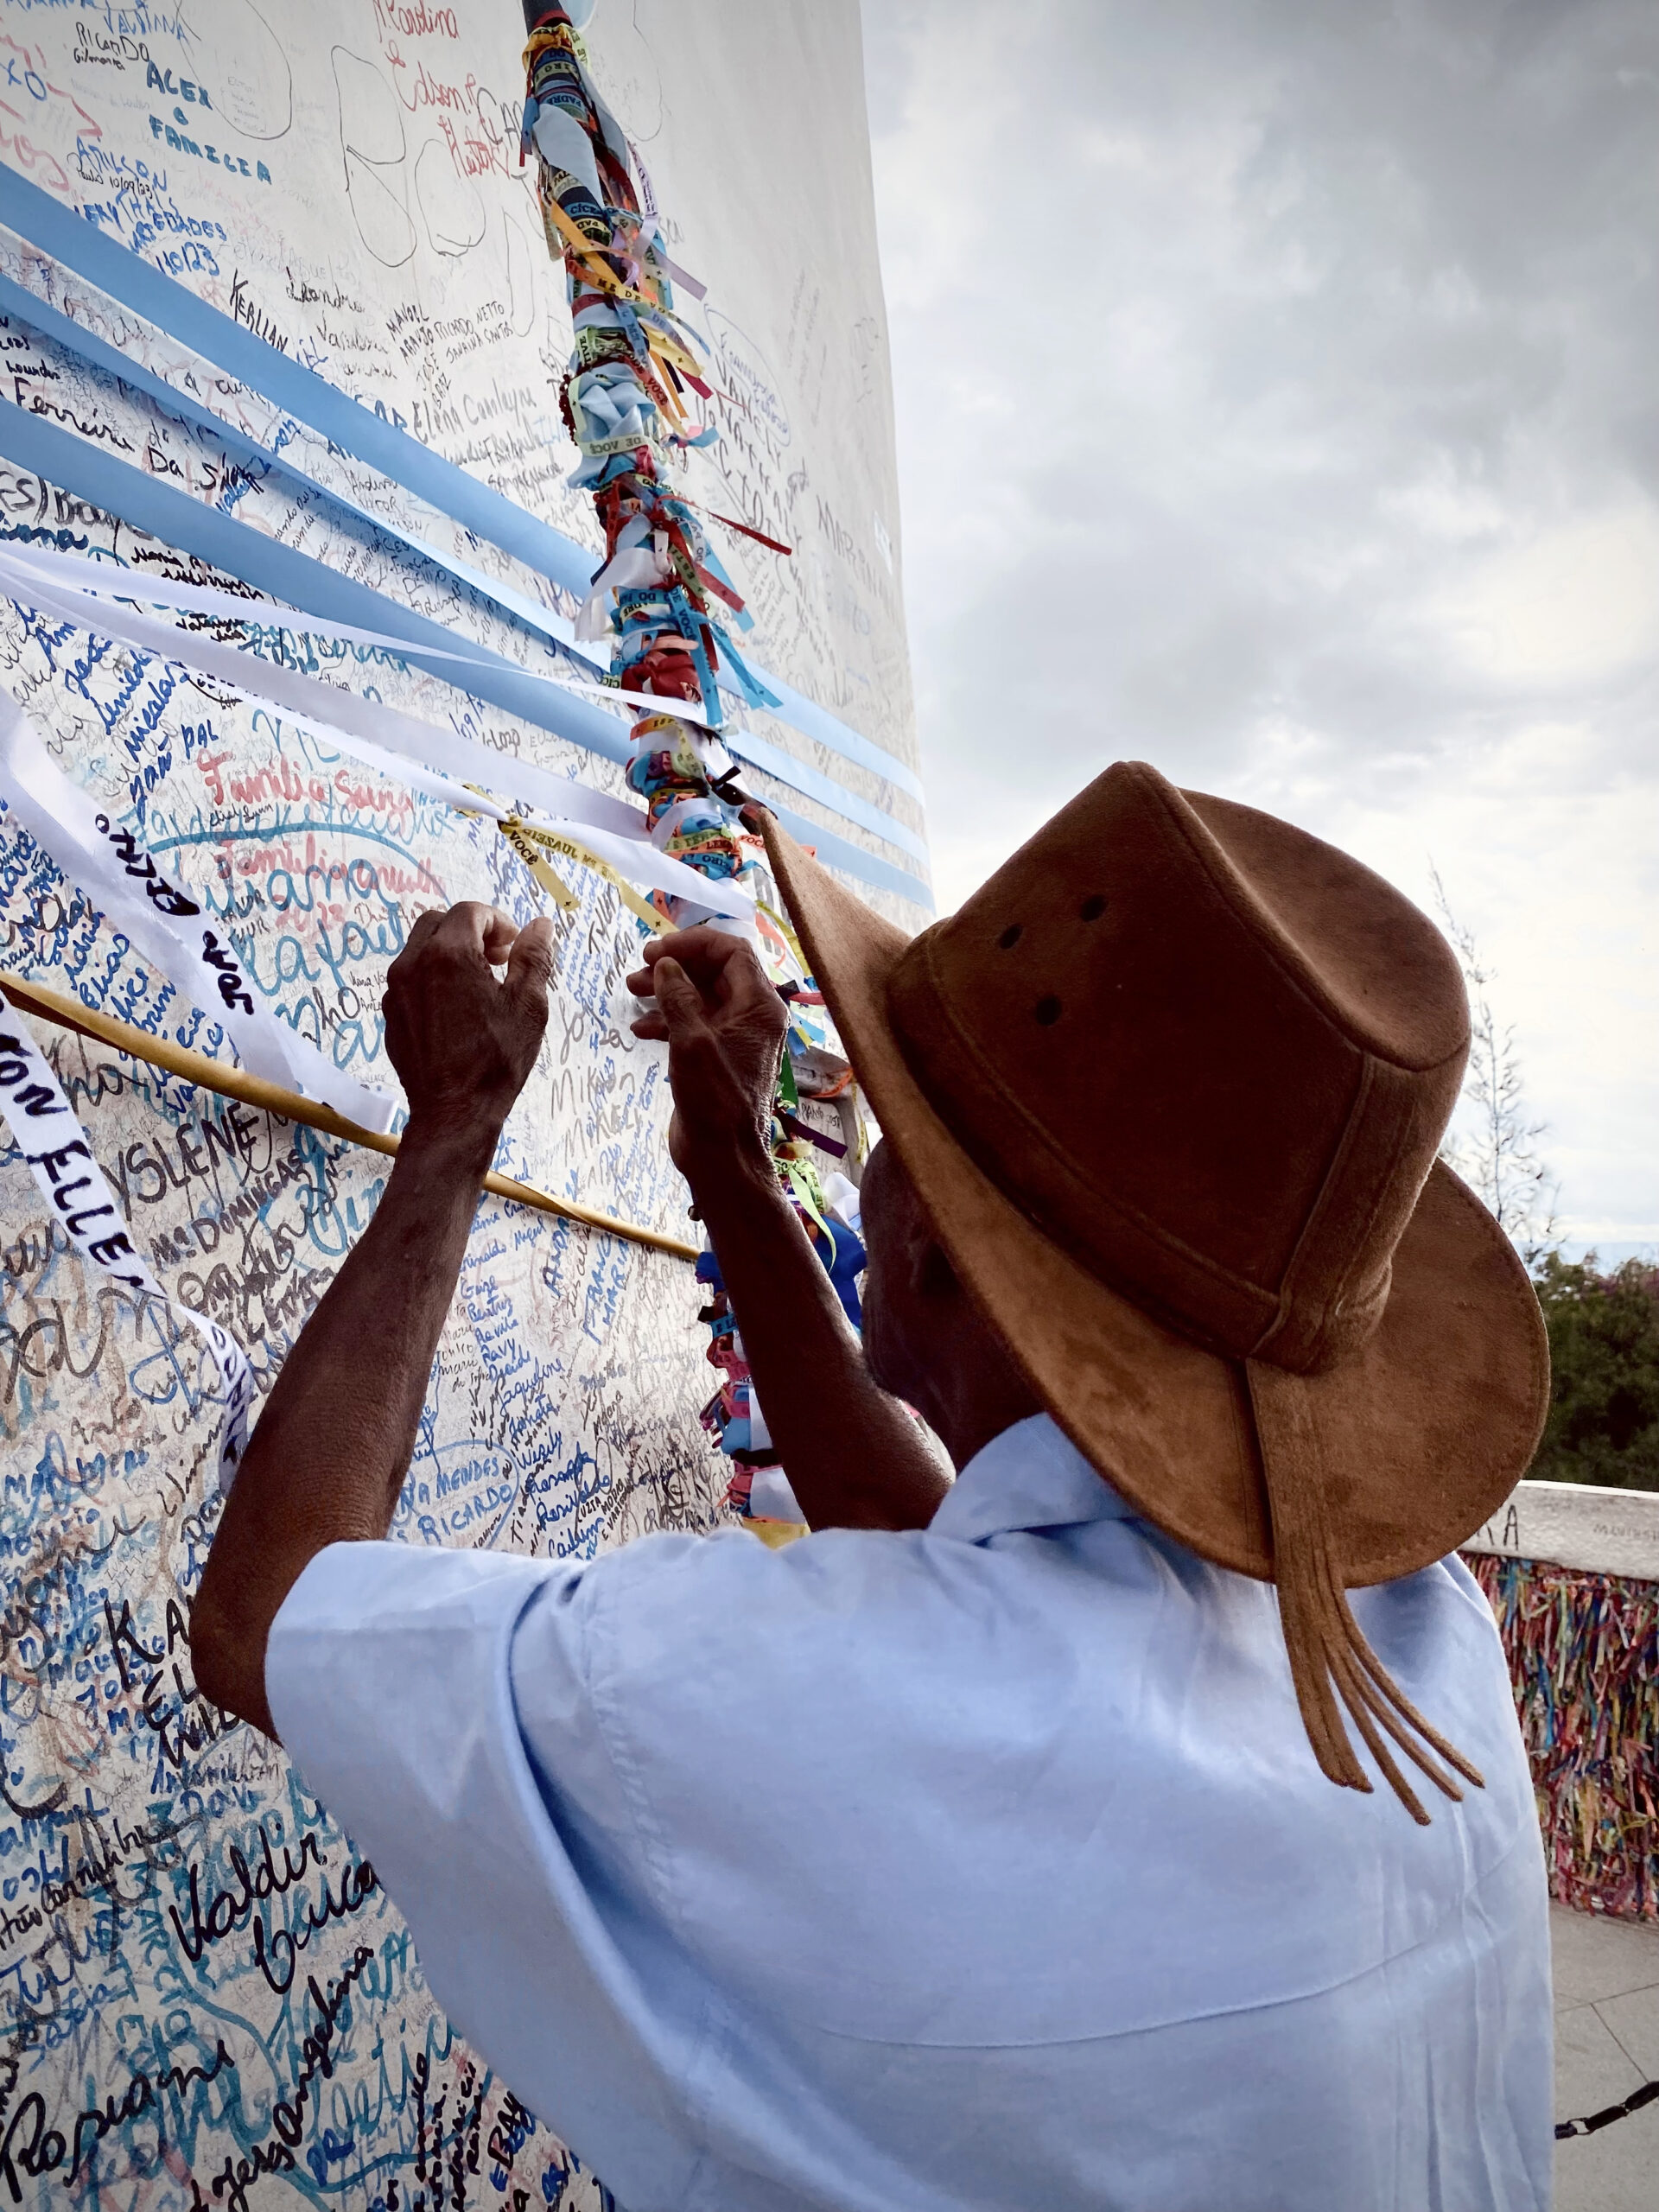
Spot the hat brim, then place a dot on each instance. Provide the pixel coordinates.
(1423, 1432)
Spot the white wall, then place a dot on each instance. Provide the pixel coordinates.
(395, 246)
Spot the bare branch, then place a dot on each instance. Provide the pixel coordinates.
(1493, 1145)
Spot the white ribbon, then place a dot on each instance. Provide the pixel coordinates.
(366, 728)
(629, 568)
(167, 923)
(44, 1128)
(563, 145)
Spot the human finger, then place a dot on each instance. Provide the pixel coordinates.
(684, 945)
(650, 1027)
(419, 930)
(678, 999)
(530, 966)
(742, 981)
(727, 973)
(470, 925)
(500, 934)
(703, 953)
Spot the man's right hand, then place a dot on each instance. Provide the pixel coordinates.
(724, 1026)
(855, 1458)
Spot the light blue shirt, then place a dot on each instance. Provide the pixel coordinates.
(982, 1866)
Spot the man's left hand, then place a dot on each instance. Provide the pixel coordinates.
(463, 1042)
(327, 1460)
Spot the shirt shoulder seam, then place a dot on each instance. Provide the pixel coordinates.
(656, 1856)
(655, 1851)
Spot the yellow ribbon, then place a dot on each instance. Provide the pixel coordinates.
(555, 885)
(660, 344)
(529, 840)
(780, 922)
(589, 254)
(517, 833)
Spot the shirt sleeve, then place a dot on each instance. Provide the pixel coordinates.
(389, 1673)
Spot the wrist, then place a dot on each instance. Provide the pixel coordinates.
(739, 1176)
(460, 1147)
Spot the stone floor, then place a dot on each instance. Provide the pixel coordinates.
(1606, 2044)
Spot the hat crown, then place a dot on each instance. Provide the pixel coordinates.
(1210, 1056)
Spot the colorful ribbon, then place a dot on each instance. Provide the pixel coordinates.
(1583, 1658)
(625, 397)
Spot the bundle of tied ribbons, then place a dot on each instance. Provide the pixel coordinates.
(627, 398)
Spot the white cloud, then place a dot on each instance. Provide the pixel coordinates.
(1275, 401)
(1570, 606)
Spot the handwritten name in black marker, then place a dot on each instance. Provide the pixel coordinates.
(276, 2154)
(137, 863)
(179, 1734)
(226, 1910)
(31, 2149)
(229, 974)
(111, 1246)
(277, 1955)
(24, 1097)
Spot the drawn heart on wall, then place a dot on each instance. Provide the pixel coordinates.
(254, 85)
(372, 147)
(451, 206)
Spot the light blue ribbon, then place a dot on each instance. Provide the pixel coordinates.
(19, 305)
(279, 571)
(115, 269)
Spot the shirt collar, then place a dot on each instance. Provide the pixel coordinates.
(1030, 1476)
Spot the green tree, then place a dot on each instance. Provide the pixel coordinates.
(1604, 1329)
(1604, 1350)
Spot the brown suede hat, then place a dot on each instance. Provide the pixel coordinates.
(1171, 1086)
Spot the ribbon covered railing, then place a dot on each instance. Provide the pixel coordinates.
(1583, 1649)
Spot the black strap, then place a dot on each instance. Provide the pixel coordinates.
(1606, 2117)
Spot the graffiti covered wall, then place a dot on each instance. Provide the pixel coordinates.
(205, 1995)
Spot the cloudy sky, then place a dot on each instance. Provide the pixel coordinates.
(1278, 401)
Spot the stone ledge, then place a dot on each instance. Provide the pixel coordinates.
(1575, 1525)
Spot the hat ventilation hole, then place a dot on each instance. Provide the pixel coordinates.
(1048, 1011)
(1010, 936)
(1091, 909)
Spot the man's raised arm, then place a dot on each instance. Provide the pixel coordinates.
(853, 1456)
(330, 1455)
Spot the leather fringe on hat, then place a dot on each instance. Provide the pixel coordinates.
(1329, 1656)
